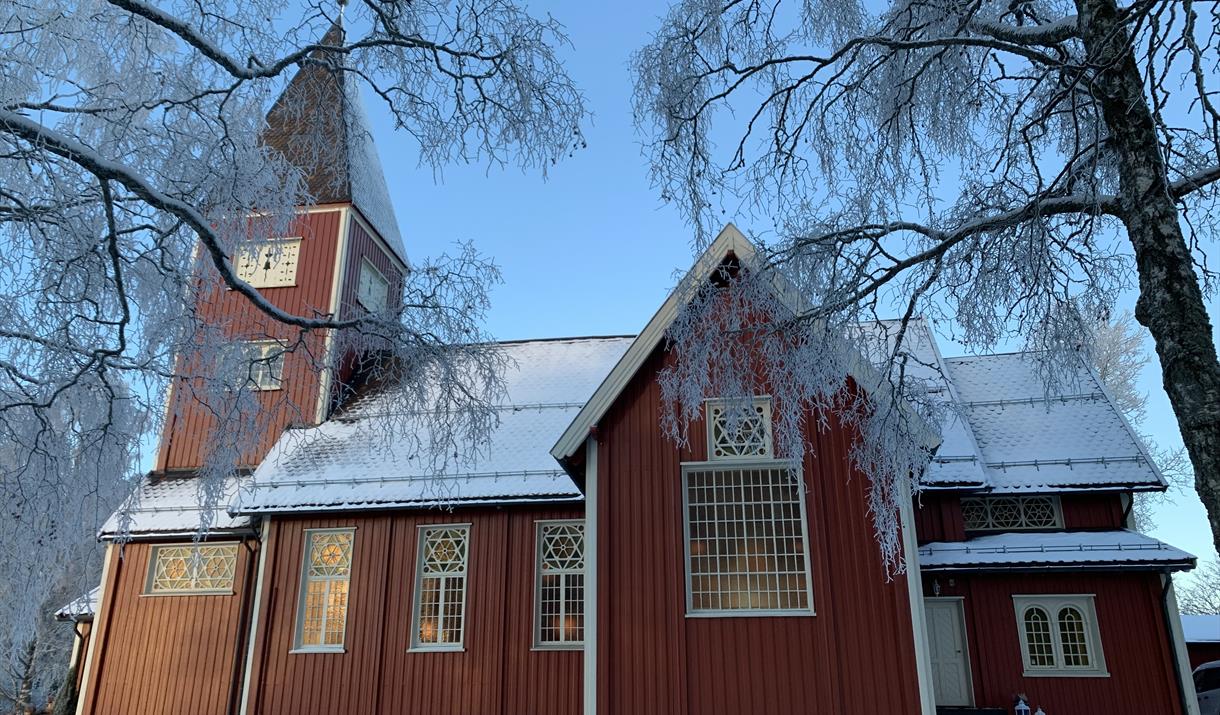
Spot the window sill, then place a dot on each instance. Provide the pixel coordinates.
(751, 614)
(168, 594)
(316, 650)
(1065, 673)
(437, 649)
(545, 647)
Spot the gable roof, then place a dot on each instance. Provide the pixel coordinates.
(730, 242)
(350, 462)
(319, 125)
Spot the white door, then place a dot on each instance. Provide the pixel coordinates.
(950, 658)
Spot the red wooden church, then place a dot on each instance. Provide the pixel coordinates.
(586, 564)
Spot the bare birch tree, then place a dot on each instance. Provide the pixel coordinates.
(1002, 167)
(132, 160)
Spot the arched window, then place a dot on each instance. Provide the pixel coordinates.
(1059, 635)
(1073, 639)
(1038, 638)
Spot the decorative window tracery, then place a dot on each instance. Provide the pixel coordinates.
(560, 584)
(746, 544)
(196, 568)
(440, 587)
(325, 579)
(739, 430)
(1011, 513)
(1059, 635)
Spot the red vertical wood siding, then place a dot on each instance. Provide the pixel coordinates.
(1101, 510)
(496, 673)
(163, 654)
(938, 517)
(652, 659)
(189, 424)
(1134, 642)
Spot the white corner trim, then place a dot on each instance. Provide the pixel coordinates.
(252, 632)
(590, 660)
(919, 624)
(1178, 643)
(96, 634)
(379, 240)
(336, 293)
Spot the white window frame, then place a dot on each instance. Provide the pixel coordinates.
(298, 638)
(1022, 500)
(259, 278)
(253, 353)
(736, 465)
(540, 644)
(759, 401)
(367, 265)
(154, 555)
(422, 532)
(1051, 604)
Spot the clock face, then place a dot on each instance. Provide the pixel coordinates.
(269, 264)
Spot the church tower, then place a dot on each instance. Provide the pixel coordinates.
(342, 255)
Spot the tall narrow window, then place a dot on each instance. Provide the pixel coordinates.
(1059, 635)
(325, 575)
(269, 264)
(440, 587)
(262, 364)
(745, 540)
(559, 617)
(191, 569)
(372, 288)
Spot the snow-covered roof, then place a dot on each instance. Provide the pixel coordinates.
(1055, 549)
(81, 608)
(1201, 629)
(169, 506)
(1029, 440)
(346, 463)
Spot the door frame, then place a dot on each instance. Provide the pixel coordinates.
(960, 603)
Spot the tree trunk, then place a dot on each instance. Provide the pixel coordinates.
(1170, 300)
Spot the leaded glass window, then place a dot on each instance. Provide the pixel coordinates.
(560, 592)
(193, 568)
(1059, 635)
(739, 430)
(440, 587)
(1011, 513)
(325, 578)
(746, 544)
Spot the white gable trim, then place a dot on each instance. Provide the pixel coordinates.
(729, 241)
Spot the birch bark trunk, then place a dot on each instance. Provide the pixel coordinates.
(1170, 300)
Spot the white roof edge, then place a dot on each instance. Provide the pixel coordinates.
(729, 240)
(1139, 442)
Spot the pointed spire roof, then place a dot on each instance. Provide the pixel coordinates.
(318, 123)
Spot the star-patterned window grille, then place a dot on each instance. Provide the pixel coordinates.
(739, 430)
(559, 616)
(194, 568)
(1004, 513)
(440, 587)
(325, 578)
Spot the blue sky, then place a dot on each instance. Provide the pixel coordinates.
(591, 250)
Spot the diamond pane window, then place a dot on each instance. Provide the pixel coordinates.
(739, 430)
(1011, 513)
(269, 264)
(1059, 635)
(325, 578)
(560, 586)
(201, 568)
(745, 540)
(440, 587)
